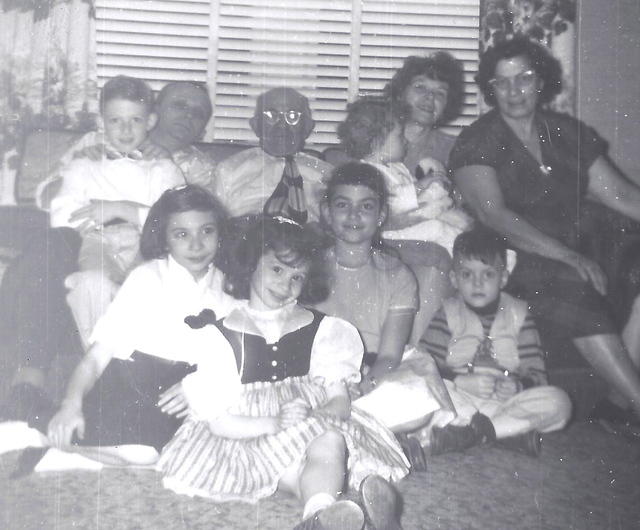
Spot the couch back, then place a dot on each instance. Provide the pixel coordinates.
(43, 150)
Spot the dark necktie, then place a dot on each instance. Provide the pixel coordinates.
(287, 199)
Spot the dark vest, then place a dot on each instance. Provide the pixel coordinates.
(288, 357)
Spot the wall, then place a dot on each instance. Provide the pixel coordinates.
(608, 75)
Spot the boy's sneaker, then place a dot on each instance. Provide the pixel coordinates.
(341, 515)
(454, 438)
(413, 451)
(28, 403)
(380, 503)
(529, 443)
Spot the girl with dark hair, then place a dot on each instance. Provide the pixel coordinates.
(130, 387)
(278, 414)
(369, 286)
(524, 172)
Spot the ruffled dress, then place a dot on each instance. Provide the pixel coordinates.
(272, 357)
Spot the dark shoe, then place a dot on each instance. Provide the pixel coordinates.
(454, 438)
(413, 451)
(483, 429)
(28, 403)
(341, 515)
(529, 443)
(616, 420)
(380, 502)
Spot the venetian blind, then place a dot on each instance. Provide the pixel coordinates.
(330, 50)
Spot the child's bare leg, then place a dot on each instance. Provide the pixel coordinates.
(320, 479)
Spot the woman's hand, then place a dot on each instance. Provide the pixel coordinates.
(589, 271)
(173, 402)
(92, 152)
(151, 151)
(292, 412)
(481, 385)
(67, 420)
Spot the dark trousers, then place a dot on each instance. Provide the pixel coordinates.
(36, 324)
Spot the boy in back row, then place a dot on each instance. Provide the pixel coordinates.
(487, 348)
(107, 200)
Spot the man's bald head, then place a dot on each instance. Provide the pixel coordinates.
(282, 121)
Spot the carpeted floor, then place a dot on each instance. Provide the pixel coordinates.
(585, 479)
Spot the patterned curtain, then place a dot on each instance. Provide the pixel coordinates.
(47, 74)
(550, 22)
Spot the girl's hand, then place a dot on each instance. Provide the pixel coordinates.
(506, 387)
(481, 385)
(367, 383)
(589, 271)
(66, 421)
(292, 412)
(173, 402)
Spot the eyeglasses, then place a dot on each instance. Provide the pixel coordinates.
(521, 81)
(273, 116)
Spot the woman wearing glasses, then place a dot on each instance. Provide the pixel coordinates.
(523, 171)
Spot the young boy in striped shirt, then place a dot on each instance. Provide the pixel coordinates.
(487, 348)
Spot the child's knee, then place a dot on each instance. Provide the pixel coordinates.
(557, 406)
(327, 447)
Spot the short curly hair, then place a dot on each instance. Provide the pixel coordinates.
(546, 66)
(439, 66)
(246, 239)
(128, 88)
(369, 120)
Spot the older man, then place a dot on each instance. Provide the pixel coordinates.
(277, 176)
(183, 109)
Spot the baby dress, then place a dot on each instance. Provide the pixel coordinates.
(273, 357)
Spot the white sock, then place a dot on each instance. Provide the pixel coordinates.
(317, 502)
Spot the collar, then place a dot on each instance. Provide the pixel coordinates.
(293, 316)
(178, 271)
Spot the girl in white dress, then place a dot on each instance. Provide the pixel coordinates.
(138, 357)
(277, 414)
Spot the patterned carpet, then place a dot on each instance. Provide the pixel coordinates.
(585, 479)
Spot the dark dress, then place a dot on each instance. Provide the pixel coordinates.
(549, 197)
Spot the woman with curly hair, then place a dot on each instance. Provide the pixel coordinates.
(524, 170)
(432, 88)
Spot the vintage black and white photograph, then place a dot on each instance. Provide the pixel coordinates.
(320, 264)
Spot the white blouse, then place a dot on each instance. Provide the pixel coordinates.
(336, 354)
(148, 311)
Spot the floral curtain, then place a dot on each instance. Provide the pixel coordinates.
(47, 74)
(550, 22)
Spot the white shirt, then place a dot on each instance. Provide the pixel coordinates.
(246, 180)
(148, 312)
(123, 179)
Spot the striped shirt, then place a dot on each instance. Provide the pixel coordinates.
(531, 371)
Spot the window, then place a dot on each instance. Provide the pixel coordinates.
(330, 50)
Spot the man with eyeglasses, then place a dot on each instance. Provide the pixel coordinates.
(277, 177)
